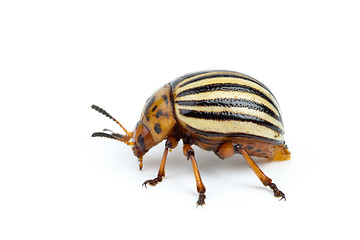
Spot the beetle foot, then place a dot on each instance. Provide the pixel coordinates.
(277, 192)
(152, 182)
(201, 200)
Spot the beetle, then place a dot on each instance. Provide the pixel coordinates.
(221, 111)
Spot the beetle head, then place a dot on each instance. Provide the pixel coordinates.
(142, 140)
(157, 123)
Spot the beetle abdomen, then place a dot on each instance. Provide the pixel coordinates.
(216, 105)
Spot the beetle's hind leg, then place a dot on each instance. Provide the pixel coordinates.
(169, 144)
(190, 154)
(263, 178)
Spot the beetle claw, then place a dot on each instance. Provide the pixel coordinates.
(201, 199)
(277, 192)
(152, 182)
(280, 194)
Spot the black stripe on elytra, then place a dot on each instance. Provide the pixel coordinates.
(174, 83)
(230, 102)
(225, 116)
(225, 75)
(226, 87)
(208, 134)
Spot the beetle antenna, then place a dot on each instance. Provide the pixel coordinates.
(102, 111)
(114, 134)
(111, 136)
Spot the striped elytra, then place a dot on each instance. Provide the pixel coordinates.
(221, 111)
(214, 106)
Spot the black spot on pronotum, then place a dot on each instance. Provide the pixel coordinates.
(148, 105)
(154, 108)
(157, 128)
(250, 147)
(159, 113)
(147, 119)
(165, 99)
(141, 142)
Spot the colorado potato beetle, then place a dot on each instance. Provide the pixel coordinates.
(221, 111)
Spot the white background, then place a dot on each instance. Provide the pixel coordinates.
(59, 57)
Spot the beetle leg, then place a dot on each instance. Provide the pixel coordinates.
(263, 178)
(169, 144)
(190, 154)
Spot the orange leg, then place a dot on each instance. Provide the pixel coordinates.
(170, 143)
(190, 154)
(263, 178)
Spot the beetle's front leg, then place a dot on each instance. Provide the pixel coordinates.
(190, 154)
(169, 144)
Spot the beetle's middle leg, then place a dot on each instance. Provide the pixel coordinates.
(263, 178)
(190, 154)
(169, 144)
